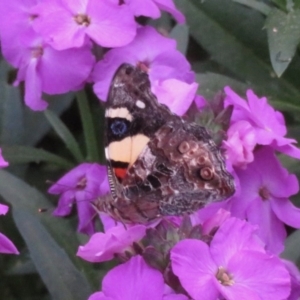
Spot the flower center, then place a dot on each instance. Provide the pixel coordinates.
(82, 19)
(37, 52)
(223, 277)
(81, 184)
(33, 17)
(264, 193)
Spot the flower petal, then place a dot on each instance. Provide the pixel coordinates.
(135, 280)
(192, 263)
(7, 246)
(270, 229)
(256, 276)
(286, 212)
(233, 236)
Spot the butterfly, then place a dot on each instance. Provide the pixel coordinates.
(158, 163)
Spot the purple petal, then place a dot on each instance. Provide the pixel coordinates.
(264, 113)
(286, 212)
(288, 149)
(295, 280)
(99, 296)
(3, 162)
(33, 88)
(135, 280)
(86, 214)
(65, 204)
(108, 222)
(7, 246)
(145, 8)
(70, 179)
(59, 28)
(234, 99)
(270, 229)
(75, 6)
(192, 263)
(3, 209)
(215, 221)
(256, 276)
(56, 68)
(111, 25)
(234, 235)
(240, 143)
(169, 6)
(140, 50)
(276, 178)
(175, 297)
(175, 94)
(162, 67)
(103, 246)
(210, 210)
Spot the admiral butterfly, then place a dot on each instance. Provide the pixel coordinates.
(158, 163)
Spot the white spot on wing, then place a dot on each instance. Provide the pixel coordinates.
(140, 104)
(121, 112)
(106, 153)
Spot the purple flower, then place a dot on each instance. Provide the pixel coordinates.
(66, 23)
(6, 245)
(116, 240)
(295, 280)
(81, 185)
(240, 143)
(268, 124)
(131, 280)
(215, 221)
(200, 102)
(43, 68)
(234, 266)
(168, 69)
(16, 23)
(151, 8)
(3, 162)
(264, 199)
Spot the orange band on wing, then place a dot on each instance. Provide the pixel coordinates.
(120, 172)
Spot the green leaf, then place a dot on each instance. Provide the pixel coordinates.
(258, 5)
(180, 33)
(11, 108)
(65, 134)
(25, 154)
(280, 3)
(210, 84)
(36, 125)
(283, 37)
(88, 127)
(60, 276)
(291, 251)
(52, 242)
(240, 50)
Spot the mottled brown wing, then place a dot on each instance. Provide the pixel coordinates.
(178, 172)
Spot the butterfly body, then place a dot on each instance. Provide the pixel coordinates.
(158, 163)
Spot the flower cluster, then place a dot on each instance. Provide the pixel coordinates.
(6, 245)
(52, 43)
(227, 250)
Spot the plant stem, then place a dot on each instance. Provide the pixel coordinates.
(88, 126)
